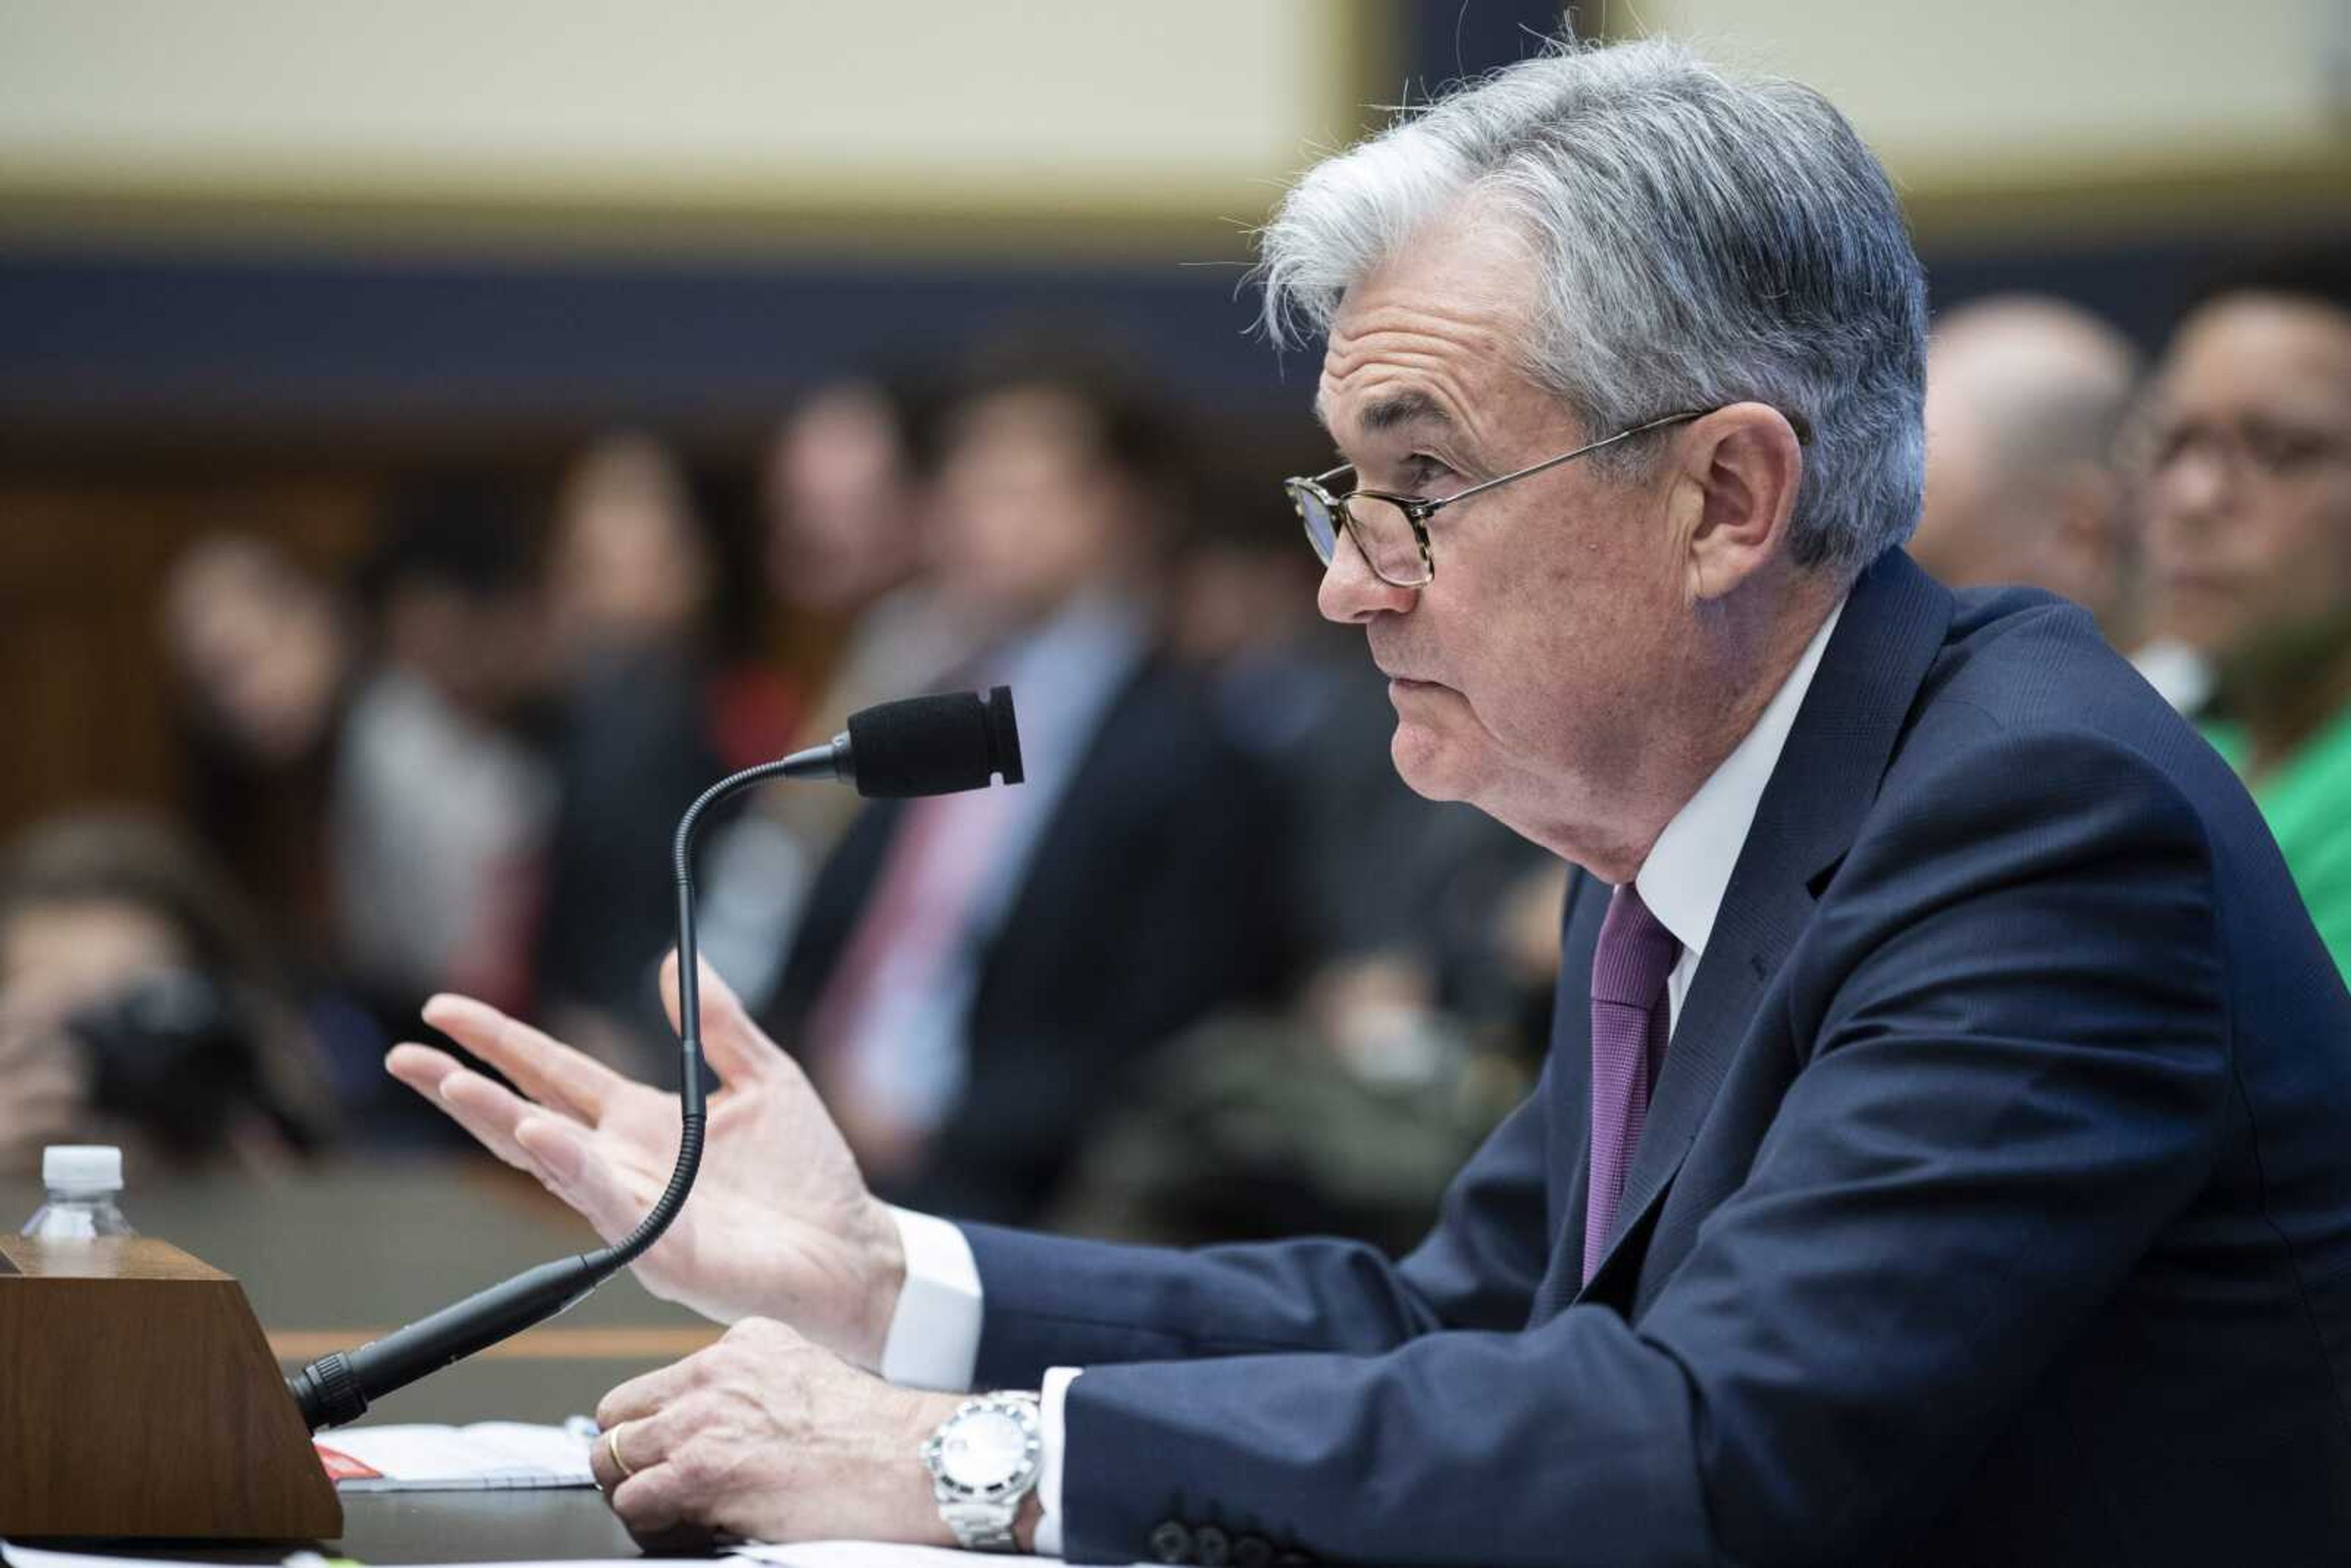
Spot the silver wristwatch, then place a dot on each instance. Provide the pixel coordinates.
(984, 1462)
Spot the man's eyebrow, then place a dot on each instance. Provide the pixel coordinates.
(1391, 412)
(1404, 408)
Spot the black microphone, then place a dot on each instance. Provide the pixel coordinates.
(921, 746)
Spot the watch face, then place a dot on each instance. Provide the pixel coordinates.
(984, 1450)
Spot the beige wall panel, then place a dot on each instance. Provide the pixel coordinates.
(2002, 90)
(727, 102)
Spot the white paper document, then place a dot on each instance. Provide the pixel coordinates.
(489, 1455)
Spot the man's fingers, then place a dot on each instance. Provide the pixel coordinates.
(650, 1501)
(736, 1049)
(421, 1067)
(538, 1064)
(620, 1452)
(425, 1070)
(613, 1199)
(641, 1443)
(640, 1397)
(487, 1110)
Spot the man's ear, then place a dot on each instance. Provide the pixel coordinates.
(1740, 471)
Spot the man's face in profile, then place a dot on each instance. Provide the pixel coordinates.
(1532, 652)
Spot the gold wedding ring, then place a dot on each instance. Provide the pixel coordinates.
(613, 1447)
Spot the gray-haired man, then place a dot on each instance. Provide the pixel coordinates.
(1940, 1157)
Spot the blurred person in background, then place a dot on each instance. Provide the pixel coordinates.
(140, 1006)
(2249, 494)
(977, 973)
(845, 544)
(841, 516)
(645, 708)
(2025, 395)
(628, 563)
(264, 653)
(441, 809)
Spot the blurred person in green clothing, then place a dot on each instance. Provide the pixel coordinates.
(2249, 497)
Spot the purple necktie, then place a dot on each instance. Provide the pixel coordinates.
(1629, 1020)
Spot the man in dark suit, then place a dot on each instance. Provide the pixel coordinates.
(976, 974)
(1940, 1157)
(1138, 911)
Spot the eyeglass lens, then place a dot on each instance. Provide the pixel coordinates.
(1381, 531)
(1386, 536)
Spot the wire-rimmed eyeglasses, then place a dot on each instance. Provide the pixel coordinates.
(1391, 531)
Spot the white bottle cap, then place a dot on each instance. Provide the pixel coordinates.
(82, 1167)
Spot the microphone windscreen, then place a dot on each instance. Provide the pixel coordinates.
(933, 745)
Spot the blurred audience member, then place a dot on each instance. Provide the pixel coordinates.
(264, 654)
(2249, 489)
(844, 535)
(629, 564)
(860, 624)
(977, 973)
(2024, 394)
(642, 705)
(2026, 397)
(440, 812)
(139, 1005)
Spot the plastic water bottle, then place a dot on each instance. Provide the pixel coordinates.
(82, 1179)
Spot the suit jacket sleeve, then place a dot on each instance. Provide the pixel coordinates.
(1052, 1302)
(2014, 1072)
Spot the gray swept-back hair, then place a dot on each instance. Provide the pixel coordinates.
(1699, 239)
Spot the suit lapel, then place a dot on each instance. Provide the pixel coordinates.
(1894, 624)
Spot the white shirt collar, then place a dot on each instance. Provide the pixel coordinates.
(1684, 878)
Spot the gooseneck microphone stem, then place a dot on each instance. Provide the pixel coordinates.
(337, 1388)
(922, 746)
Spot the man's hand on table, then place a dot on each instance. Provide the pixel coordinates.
(781, 1224)
(770, 1437)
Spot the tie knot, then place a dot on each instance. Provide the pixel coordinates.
(1635, 952)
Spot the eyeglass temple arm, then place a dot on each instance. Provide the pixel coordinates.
(1570, 456)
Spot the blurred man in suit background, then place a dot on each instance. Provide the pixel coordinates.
(976, 975)
(2023, 398)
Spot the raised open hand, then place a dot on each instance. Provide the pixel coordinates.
(780, 1224)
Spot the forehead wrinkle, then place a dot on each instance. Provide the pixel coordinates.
(1431, 346)
(1403, 389)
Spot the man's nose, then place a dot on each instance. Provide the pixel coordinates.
(1351, 593)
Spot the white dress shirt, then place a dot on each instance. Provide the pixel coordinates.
(934, 1341)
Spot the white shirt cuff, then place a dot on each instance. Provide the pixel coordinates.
(1049, 1480)
(934, 1340)
(933, 1343)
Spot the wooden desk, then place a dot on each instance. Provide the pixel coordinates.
(333, 1256)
